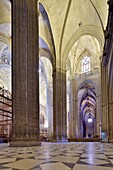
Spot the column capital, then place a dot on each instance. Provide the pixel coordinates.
(58, 68)
(64, 70)
(72, 79)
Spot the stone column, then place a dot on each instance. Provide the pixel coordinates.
(110, 99)
(64, 106)
(98, 115)
(57, 104)
(25, 76)
(104, 93)
(73, 109)
(79, 123)
(108, 65)
(50, 110)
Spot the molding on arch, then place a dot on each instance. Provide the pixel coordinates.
(88, 82)
(5, 66)
(49, 41)
(5, 39)
(7, 4)
(84, 30)
(44, 5)
(46, 53)
(43, 74)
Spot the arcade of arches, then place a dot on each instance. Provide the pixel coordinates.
(63, 90)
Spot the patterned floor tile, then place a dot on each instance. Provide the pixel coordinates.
(58, 156)
(65, 159)
(6, 160)
(70, 165)
(54, 166)
(89, 167)
(92, 162)
(93, 155)
(23, 164)
(25, 155)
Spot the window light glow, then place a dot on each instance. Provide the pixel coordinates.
(90, 119)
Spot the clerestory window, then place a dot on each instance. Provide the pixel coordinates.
(86, 64)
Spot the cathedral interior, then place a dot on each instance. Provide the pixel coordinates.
(56, 84)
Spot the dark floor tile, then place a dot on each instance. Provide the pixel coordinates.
(32, 157)
(70, 165)
(106, 165)
(18, 159)
(83, 163)
(15, 169)
(36, 168)
(48, 162)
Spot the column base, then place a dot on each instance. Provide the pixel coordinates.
(54, 140)
(25, 143)
(59, 140)
(64, 139)
(110, 140)
(106, 140)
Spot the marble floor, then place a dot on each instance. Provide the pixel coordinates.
(58, 156)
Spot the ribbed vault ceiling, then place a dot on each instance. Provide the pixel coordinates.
(71, 19)
(69, 26)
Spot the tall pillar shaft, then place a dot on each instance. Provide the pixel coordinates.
(25, 73)
(104, 89)
(110, 99)
(50, 111)
(64, 106)
(108, 65)
(73, 109)
(59, 105)
(98, 115)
